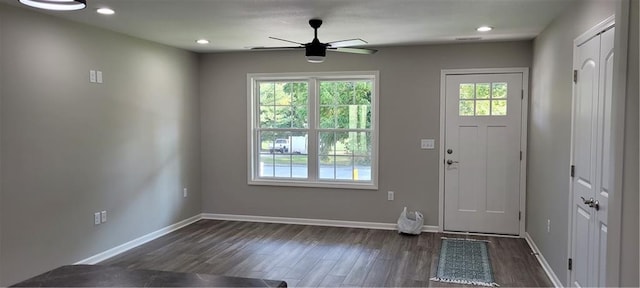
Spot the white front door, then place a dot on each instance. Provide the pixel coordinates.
(483, 121)
(591, 159)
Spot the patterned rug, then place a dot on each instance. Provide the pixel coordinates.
(464, 261)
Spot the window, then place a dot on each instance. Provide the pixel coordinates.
(483, 99)
(317, 130)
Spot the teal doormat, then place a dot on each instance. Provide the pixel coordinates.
(464, 261)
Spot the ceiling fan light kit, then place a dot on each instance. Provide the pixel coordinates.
(56, 5)
(316, 51)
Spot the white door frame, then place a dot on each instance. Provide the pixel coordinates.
(523, 135)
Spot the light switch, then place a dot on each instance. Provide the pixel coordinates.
(427, 144)
(99, 76)
(92, 76)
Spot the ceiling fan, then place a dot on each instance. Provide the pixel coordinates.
(316, 51)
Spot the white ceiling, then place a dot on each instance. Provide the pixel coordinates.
(233, 25)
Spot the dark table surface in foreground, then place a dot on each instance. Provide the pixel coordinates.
(113, 276)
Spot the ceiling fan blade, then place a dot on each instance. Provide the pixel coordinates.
(354, 50)
(285, 40)
(275, 48)
(347, 43)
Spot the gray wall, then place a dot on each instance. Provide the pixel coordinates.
(550, 129)
(629, 267)
(409, 111)
(127, 146)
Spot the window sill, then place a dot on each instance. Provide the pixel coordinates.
(331, 185)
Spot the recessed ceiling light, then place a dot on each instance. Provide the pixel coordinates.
(484, 28)
(202, 41)
(105, 11)
(57, 5)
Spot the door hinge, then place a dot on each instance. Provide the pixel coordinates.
(522, 94)
(570, 266)
(573, 171)
(519, 215)
(520, 155)
(575, 76)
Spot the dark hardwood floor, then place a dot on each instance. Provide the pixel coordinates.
(311, 256)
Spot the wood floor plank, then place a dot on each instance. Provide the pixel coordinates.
(314, 256)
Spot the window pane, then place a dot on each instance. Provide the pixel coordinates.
(283, 117)
(364, 117)
(499, 90)
(342, 124)
(344, 168)
(483, 107)
(362, 169)
(363, 92)
(327, 117)
(483, 90)
(282, 168)
(467, 91)
(499, 107)
(344, 117)
(327, 142)
(299, 92)
(327, 167)
(283, 154)
(360, 143)
(328, 93)
(467, 108)
(342, 143)
(267, 93)
(266, 165)
(283, 104)
(267, 117)
(299, 117)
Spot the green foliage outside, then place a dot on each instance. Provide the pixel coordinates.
(483, 99)
(343, 105)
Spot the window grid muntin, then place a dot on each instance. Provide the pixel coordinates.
(259, 152)
(369, 119)
(313, 101)
(489, 101)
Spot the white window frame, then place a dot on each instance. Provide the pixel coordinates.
(313, 173)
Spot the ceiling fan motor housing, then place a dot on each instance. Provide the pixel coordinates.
(318, 50)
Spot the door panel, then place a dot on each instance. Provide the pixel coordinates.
(482, 129)
(592, 159)
(581, 260)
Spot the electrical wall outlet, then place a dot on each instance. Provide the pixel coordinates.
(390, 195)
(96, 218)
(548, 225)
(185, 192)
(103, 215)
(92, 76)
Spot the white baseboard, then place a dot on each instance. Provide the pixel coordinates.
(138, 241)
(311, 222)
(545, 265)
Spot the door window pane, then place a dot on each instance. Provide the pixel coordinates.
(499, 107)
(477, 99)
(467, 91)
(483, 91)
(499, 90)
(467, 108)
(483, 108)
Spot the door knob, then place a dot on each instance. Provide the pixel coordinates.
(595, 204)
(591, 203)
(449, 162)
(587, 202)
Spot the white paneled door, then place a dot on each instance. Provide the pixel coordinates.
(591, 158)
(483, 122)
